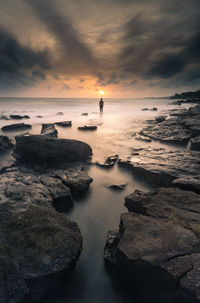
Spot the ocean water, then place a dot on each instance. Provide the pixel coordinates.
(99, 210)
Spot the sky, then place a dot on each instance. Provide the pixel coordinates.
(77, 48)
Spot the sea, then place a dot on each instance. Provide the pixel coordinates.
(99, 210)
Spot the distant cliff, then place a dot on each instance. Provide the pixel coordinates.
(187, 95)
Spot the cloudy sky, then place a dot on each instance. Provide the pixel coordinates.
(74, 48)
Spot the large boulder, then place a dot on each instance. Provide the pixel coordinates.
(157, 247)
(50, 151)
(38, 247)
(5, 143)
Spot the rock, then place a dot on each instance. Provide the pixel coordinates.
(109, 162)
(39, 116)
(16, 127)
(117, 187)
(76, 179)
(41, 246)
(19, 117)
(188, 183)
(160, 119)
(154, 109)
(64, 123)
(195, 143)
(157, 246)
(49, 130)
(84, 114)
(59, 114)
(143, 139)
(48, 151)
(5, 143)
(88, 127)
(160, 167)
(145, 108)
(3, 117)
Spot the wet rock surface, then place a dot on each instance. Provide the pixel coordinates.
(19, 117)
(159, 166)
(5, 143)
(16, 127)
(179, 128)
(157, 247)
(49, 130)
(50, 151)
(195, 143)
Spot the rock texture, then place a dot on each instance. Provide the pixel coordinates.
(157, 247)
(5, 143)
(160, 167)
(50, 151)
(49, 130)
(16, 127)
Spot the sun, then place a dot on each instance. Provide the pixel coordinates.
(101, 92)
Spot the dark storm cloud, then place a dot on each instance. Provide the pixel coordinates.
(74, 49)
(20, 65)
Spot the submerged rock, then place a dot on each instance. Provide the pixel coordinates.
(16, 127)
(49, 130)
(88, 127)
(117, 186)
(84, 114)
(157, 248)
(5, 143)
(64, 123)
(4, 117)
(19, 117)
(160, 167)
(39, 246)
(59, 114)
(154, 109)
(50, 151)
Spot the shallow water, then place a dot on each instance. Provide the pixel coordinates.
(99, 210)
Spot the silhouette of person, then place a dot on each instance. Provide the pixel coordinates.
(101, 104)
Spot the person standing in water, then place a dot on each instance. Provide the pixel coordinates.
(101, 104)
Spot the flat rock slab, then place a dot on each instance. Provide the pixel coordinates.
(157, 247)
(49, 130)
(50, 151)
(40, 245)
(64, 123)
(16, 127)
(5, 143)
(160, 167)
(88, 127)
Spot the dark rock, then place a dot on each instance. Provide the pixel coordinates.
(3, 117)
(5, 143)
(84, 114)
(39, 116)
(157, 246)
(117, 187)
(49, 130)
(50, 151)
(188, 183)
(160, 119)
(88, 127)
(16, 127)
(64, 123)
(109, 162)
(19, 117)
(154, 109)
(143, 139)
(76, 179)
(60, 114)
(160, 167)
(41, 246)
(195, 143)
(145, 108)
